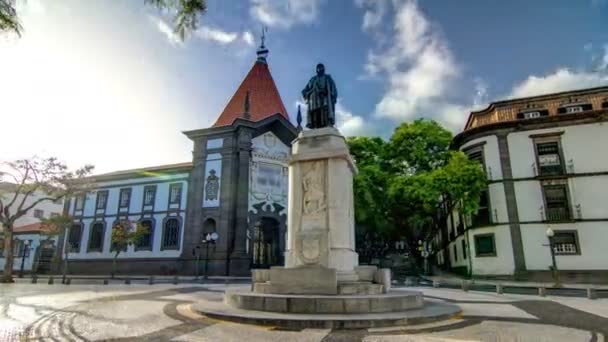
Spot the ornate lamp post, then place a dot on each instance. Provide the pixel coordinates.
(555, 272)
(26, 246)
(210, 238)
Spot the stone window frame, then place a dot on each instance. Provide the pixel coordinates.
(123, 191)
(163, 245)
(547, 138)
(557, 183)
(180, 186)
(576, 241)
(103, 235)
(152, 229)
(151, 188)
(80, 202)
(97, 200)
(80, 231)
(476, 242)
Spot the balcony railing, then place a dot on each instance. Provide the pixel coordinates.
(551, 170)
(482, 218)
(557, 214)
(565, 248)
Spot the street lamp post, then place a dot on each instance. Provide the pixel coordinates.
(26, 246)
(554, 271)
(210, 238)
(197, 252)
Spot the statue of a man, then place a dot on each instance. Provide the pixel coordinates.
(321, 95)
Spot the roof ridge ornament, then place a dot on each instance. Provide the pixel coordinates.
(262, 50)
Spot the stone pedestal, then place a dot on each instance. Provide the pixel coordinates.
(321, 230)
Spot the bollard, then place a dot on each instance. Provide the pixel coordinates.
(436, 283)
(105, 281)
(51, 280)
(499, 289)
(67, 281)
(465, 286)
(34, 279)
(127, 281)
(591, 293)
(151, 280)
(542, 291)
(175, 280)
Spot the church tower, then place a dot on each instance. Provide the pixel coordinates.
(238, 183)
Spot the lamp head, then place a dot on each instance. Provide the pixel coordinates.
(550, 233)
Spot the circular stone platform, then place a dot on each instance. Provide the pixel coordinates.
(430, 312)
(324, 304)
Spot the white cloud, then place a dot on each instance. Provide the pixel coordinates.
(216, 35)
(419, 69)
(347, 123)
(375, 10)
(561, 80)
(285, 13)
(248, 38)
(166, 30)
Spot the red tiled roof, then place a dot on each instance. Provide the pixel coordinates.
(264, 98)
(30, 228)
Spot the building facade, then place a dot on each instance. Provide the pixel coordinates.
(31, 243)
(544, 161)
(235, 186)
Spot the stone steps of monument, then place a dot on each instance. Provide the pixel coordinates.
(359, 288)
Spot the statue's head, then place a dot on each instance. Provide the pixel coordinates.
(320, 69)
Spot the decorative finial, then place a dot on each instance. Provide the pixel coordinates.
(299, 119)
(246, 113)
(263, 51)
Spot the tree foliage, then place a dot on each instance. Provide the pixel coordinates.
(407, 185)
(124, 234)
(185, 20)
(27, 183)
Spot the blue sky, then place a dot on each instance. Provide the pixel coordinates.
(106, 82)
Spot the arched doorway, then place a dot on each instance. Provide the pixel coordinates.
(267, 244)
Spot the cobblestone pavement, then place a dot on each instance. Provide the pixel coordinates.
(139, 312)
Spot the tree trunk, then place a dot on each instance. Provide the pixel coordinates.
(7, 274)
(114, 264)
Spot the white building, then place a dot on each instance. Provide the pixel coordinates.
(545, 161)
(28, 235)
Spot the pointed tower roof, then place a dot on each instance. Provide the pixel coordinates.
(256, 98)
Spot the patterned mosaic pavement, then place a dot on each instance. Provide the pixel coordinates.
(139, 312)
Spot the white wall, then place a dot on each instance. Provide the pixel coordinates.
(529, 200)
(137, 186)
(47, 207)
(503, 262)
(592, 236)
(498, 203)
(592, 195)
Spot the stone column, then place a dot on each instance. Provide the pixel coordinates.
(321, 229)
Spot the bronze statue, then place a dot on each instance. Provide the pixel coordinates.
(321, 95)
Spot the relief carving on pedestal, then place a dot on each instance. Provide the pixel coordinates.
(314, 201)
(213, 187)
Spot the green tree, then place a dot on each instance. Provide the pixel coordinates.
(124, 234)
(185, 21)
(407, 185)
(28, 183)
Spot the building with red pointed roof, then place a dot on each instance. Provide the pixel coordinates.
(231, 199)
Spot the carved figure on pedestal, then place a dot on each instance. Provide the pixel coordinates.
(213, 186)
(314, 195)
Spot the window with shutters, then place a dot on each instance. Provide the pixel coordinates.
(146, 240)
(149, 195)
(175, 193)
(74, 238)
(96, 237)
(549, 158)
(124, 198)
(102, 199)
(171, 234)
(566, 242)
(556, 202)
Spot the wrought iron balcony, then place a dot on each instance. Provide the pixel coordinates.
(557, 214)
